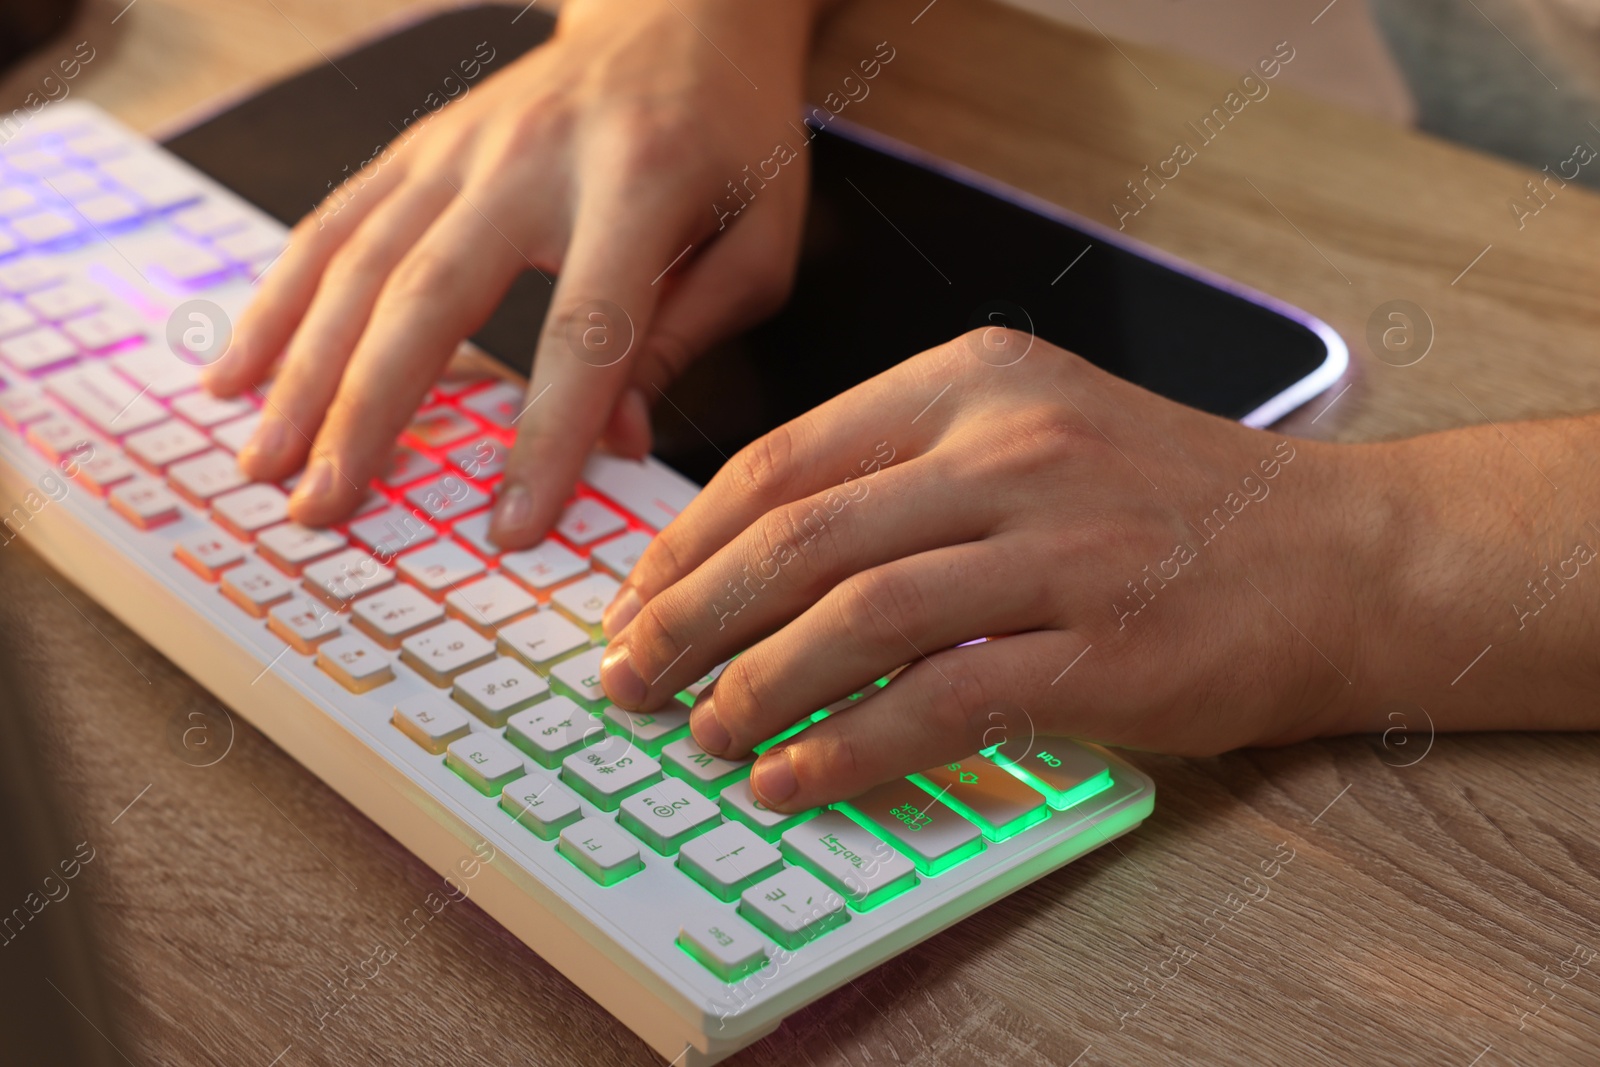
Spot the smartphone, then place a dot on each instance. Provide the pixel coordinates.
(901, 252)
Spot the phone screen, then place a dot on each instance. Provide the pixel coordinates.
(896, 256)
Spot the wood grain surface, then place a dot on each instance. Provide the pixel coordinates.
(1396, 898)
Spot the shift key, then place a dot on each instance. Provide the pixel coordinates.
(987, 794)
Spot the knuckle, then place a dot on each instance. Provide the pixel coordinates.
(880, 609)
(355, 261)
(743, 703)
(765, 465)
(421, 274)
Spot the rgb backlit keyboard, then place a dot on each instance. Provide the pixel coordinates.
(449, 690)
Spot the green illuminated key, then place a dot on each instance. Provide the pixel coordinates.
(552, 730)
(707, 773)
(739, 803)
(1064, 771)
(667, 814)
(927, 831)
(724, 943)
(728, 859)
(648, 730)
(850, 860)
(600, 850)
(987, 795)
(609, 770)
(793, 907)
(541, 804)
(485, 761)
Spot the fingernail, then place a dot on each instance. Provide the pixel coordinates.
(621, 612)
(511, 513)
(708, 731)
(317, 483)
(772, 778)
(619, 679)
(265, 443)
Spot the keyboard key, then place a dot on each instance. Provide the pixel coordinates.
(157, 370)
(600, 850)
(105, 399)
(254, 242)
(45, 227)
(158, 181)
(581, 675)
(728, 946)
(585, 600)
(37, 349)
(445, 651)
(926, 831)
(543, 566)
(652, 493)
(619, 554)
(144, 502)
(255, 587)
(489, 603)
(552, 730)
(437, 427)
(499, 689)
(59, 438)
(209, 552)
(391, 531)
(22, 405)
(17, 200)
(541, 637)
(165, 444)
(26, 275)
(474, 532)
(865, 869)
(694, 689)
(105, 469)
(983, 793)
(500, 403)
(729, 859)
(1060, 768)
(431, 721)
(393, 614)
(346, 575)
(740, 803)
(407, 465)
(65, 300)
(236, 434)
(439, 567)
(111, 209)
(208, 475)
(290, 546)
(648, 730)
(793, 907)
(685, 759)
(303, 623)
(539, 802)
(586, 521)
(204, 410)
(254, 507)
(102, 329)
(355, 663)
(15, 318)
(446, 498)
(609, 770)
(209, 218)
(486, 762)
(667, 814)
(483, 458)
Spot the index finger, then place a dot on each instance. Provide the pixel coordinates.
(599, 314)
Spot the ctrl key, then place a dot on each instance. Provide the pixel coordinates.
(600, 850)
(728, 947)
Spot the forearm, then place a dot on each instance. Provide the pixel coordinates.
(1488, 608)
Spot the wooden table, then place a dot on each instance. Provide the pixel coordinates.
(1440, 903)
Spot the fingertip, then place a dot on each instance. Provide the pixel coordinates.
(627, 433)
(773, 779)
(322, 496)
(511, 525)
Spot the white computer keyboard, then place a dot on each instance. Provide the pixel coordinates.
(449, 691)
